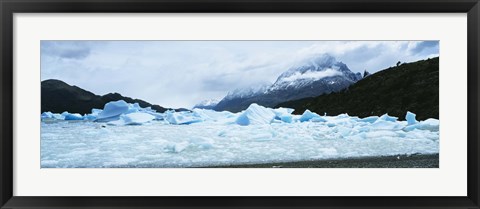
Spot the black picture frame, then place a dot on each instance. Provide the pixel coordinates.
(9, 7)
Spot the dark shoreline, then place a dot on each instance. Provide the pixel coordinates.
(395, 161)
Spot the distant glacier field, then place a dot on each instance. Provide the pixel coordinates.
(202, 138)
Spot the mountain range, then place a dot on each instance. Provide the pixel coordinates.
(406, 87)
(312, 77)
(58, 96)
(320, 84)
(207, 104)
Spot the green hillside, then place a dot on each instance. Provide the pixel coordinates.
(408, 87)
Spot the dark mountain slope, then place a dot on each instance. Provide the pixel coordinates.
(58, 96)
(409, 87)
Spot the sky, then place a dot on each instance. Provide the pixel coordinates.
(178, 74)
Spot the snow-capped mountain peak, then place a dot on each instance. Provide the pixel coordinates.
(248, 92)
(317, 62)
(313, 69)
(209, 102)
(316, 75)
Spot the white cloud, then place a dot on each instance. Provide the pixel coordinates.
(315, 75)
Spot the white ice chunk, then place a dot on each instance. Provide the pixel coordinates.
(133, 108)
(370, 119)
(387, 117)
(158, 116)
(284, 114)
(308, 115)
(72, 116)
(181, 118)
(343, 131)
(286, 118)
(93, 116)
(386, 125)
(255, 114)
(411, 118)
(283, 111)
(90, 117)
(112, 111)
(58, 116)
(212, 115)
(46, 115)
(119, 122)
(137, 118)
(429, 124)
(52, 116)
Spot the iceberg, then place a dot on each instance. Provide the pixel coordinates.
(387, 117)
(158, 116)
(72, 116)
(135, 107)
(212, 115)
(411, 118)
(370, 119)
(46, 115)
(255, 114)
(181, 118)
(284, 114)
(90, 117)
(429, 124)
(311, 116)
(112, 111)
(58, 116)
(50, 115)
(137, 118)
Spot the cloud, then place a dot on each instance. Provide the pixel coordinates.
(424, 46)
(65, 49)
(316, 75)
(373, 55)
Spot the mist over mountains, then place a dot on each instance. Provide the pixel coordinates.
(312, 77)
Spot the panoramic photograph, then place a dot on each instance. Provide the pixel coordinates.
(239, 104)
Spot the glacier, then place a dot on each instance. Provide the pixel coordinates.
(127, 135)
